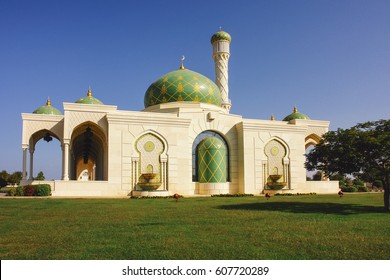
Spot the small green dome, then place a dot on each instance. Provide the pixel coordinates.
(182, 85)
(89, 99)
(221, 35)
(296, 115)
(47, 109)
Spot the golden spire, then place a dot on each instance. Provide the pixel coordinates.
(89, 92)
(295, 109)
(182, 62)
(272, 117)
(48, 101)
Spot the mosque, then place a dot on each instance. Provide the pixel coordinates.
(184, 141)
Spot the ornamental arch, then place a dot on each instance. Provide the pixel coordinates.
(88, 153)
(312, 140)
(47, 135)
(150, 158)
(277, 163)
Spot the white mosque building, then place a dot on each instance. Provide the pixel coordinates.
(184, 141)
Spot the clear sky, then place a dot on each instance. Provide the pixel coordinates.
(329, 58)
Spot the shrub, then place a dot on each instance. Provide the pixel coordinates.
(19, 191)
(232, 195)
(378, 184)
(293, 194)
(362, 189)
(29, 190)
(11, 192)
(42, 190)
(358, 183)
(6, 189)
(349, 189)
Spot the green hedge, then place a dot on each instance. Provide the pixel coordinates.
(31, 190)
(6, 189)
(19, 191)
(349, 189)
(11, 192)
(232, 195)
(42, 190)
(362, 189)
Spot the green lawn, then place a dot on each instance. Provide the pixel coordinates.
(299, 227)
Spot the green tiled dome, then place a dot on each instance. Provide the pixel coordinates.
(89, 99)
(47, 109)
(296, 115)
(221, 35)
(212, 161)
(182, 85)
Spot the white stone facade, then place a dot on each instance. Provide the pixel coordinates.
(174, 127)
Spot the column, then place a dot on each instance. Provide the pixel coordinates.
(164, 175)
(24, 172)
(65, 162)
(134, 168)
(31, 177)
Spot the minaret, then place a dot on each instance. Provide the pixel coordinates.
(221, 53)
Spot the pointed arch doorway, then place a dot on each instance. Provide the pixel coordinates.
(88, 153)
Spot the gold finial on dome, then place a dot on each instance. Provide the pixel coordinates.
(182, 62)
(272, 117)
(48, 103)
(295, 109)
(89, 92)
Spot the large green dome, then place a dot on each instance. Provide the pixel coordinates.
(182, 85)
(89, 99)
(47, 109)
(296, 115)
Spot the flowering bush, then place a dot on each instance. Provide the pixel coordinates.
(29, 190)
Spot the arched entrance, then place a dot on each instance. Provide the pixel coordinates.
(310, 142)
(88, 153)
(47, 161)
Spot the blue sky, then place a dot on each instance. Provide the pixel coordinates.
(329, 58)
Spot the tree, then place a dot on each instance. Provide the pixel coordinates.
(3, 178)
(317, 176)
(15, 177)
(40, 176)
(363, 150)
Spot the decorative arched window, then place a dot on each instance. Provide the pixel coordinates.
(195, 155)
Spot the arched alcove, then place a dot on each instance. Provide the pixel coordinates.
(195, 159)
(276, 167)
(150, 165)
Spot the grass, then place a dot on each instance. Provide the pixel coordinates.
(300, 227)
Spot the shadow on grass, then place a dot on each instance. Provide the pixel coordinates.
(302, 207)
